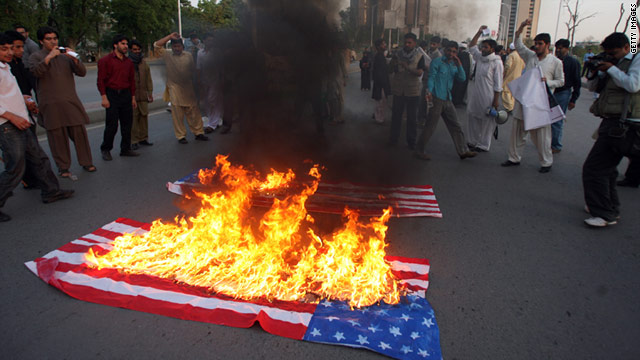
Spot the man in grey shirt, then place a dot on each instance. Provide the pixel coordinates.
(30, 46)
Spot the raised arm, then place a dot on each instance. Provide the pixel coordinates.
(162, 42)
(474, 41)
(524, 52)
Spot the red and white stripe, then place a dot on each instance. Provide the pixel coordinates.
(331, 198)
(67, 269)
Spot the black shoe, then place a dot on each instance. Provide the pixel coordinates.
(208, 130)
(468, 154)
(4, 217)
(129, 153)
(544, 169)
(145, 143)
(202, 137)
(509, 163)
(106, 155)
(57, 195)
(135, 146)
(627, 183)
(183, 141)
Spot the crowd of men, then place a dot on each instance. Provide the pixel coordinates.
(428, 81)
(125, 84)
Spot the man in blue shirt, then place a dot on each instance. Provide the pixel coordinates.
(442, 73)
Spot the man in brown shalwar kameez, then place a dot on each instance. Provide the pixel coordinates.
(180, 90)
(144, 95)
(62, 112)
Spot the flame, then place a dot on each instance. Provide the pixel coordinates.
(279, 256)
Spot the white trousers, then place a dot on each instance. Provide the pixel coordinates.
(481, 128)
(381, 108)
(540, 137)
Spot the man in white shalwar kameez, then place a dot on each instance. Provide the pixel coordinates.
(209, 72)
(485, 86)
(553, 75)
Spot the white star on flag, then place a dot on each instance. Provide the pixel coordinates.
(405, 317)
(423, 353)
(427, 322)
(364, 310)
(415, 335)
(362, 340)
(382, 312)
(354, 323)
(384, 346)
(395, 331)
(316, 332)
(373, 328)
(326, 304)
(331, 318)
(405, 349)
(339, 336)
(415, 306)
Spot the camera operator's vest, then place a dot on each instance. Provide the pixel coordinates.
(611, 100)
(405, 83)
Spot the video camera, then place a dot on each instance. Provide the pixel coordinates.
(594, 63)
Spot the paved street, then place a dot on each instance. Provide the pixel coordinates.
(515, 274)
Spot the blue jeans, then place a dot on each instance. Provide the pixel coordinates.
(562, 97)
(21, 151)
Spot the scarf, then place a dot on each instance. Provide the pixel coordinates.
(136, 58)
(407, 57)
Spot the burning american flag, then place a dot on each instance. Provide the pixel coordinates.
(225, 267)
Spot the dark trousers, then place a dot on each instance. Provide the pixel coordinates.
(423, 107)
(399, 105)
(120, 109)
(21, 151)
(599, 172)
(633, 171)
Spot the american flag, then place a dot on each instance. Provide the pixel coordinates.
(406, 330)
(332, 197)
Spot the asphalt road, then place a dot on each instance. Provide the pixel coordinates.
(515, 274)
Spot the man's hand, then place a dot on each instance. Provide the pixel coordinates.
(19, 122)
(428, 96)
(495, 103)
(544, 79)
(150, 98)
(524, 24)
(134, 104)
(456, 60)
(571, 106)
(482, 28)
(604, 66)
(105, 102)
(31, 105)
(174, 35)
(53, 53)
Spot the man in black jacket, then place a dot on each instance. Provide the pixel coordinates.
(381, 84)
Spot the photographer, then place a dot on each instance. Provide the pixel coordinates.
(619, 132)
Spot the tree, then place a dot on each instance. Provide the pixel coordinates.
(14, 12)
(77, 20)
(145, 20)
(574, 20)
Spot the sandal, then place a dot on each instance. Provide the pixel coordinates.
(65, 173)
(89, 168)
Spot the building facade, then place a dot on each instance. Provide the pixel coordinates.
(411, 15)
(512, 14)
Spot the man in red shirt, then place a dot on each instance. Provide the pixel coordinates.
(117, 85)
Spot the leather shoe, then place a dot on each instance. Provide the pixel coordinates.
(106, 155)
(468, 154)
(544, 169)
(627, 183)
(202, 137)
(134, 146)
(183, 141)
(209, 130)
(509, 163)
(145, 143)
(129, 153)
(57, 195)
(4, 217)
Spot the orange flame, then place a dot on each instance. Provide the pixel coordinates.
(279, 256)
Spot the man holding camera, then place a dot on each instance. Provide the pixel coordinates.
(62, 111)
(619, 133)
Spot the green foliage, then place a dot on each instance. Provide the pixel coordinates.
(29, 13)
(144, 20)
(91, 23)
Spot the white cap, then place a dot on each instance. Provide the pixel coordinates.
(512, 47)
